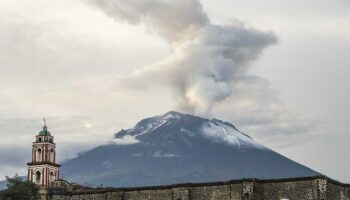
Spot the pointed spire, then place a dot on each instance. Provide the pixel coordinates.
(44, 132)
(44, 127)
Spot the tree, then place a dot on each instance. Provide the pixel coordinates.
(18, 189)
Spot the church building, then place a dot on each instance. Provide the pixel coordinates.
(43, 168)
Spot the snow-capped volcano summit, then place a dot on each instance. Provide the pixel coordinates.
(173, 126)
(178, 148)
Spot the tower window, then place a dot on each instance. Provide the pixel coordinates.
(38, 155)
(52, 155)
(37, 177)
(39, 139)
(52, 176)
(50, 140)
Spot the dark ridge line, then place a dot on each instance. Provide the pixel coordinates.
(206, 184)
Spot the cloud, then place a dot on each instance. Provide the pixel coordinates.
(125, 140)
(159, 154)
(206, 57)
(162, 16)
(257, 110)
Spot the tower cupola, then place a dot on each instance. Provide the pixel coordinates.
(44, 131)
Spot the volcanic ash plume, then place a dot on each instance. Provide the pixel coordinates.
(206, 58)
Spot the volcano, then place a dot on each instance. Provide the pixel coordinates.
(179, 148)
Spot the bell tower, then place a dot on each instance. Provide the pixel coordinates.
(43, 168)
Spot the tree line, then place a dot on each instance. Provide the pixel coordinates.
(19, 189)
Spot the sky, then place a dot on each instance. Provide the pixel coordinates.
(277, 70)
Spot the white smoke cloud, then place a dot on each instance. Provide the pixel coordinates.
(206, 57)
(173, 20)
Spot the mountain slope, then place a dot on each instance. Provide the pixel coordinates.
(178, 148)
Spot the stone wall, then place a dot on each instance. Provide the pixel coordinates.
(336, 191)
(309, 188)
(305, 189)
